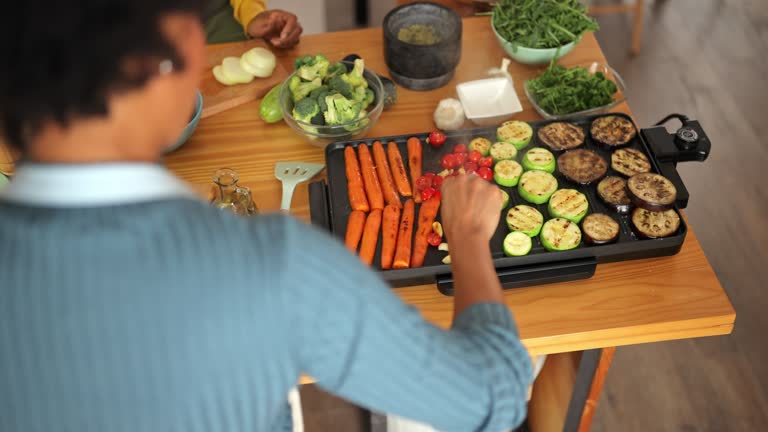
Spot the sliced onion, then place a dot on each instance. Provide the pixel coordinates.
(218, 73)
(259, 61)
(233, 71)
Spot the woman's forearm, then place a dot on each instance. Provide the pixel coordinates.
(475, 279)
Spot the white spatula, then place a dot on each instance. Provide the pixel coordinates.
(293, 173)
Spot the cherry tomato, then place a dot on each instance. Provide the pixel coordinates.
(427, 193)
(470, 167)
(485, 162)
(454, 174)
(436, 138)
(460, 148)
(434, 239)
(438, 195)
(460, 158)
(449, 161)
(485, 173)
(423, 182)
(475, 156)
(437, 182)
(430, 175)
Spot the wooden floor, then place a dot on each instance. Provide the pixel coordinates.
(709, 60)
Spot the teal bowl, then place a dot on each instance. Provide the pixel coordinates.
(531, 56)
(191, 126)
(3, 181)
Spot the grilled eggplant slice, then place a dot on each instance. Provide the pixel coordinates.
(540, 159)
(517, 244)
(561, 136)
(515, 132)
(599, 228)
(582, 166)
(525, 219)
(507, 173)
(613, 131)
(613, 191)
(568, 204)
(560, 234)
(537, 186)
(629, 162)
(651, 224)
(651, 191)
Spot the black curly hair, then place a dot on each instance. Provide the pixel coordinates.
(60, 60)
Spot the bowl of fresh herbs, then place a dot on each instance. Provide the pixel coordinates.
(561, 92)
(537, 31)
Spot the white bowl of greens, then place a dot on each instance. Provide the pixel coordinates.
(537, 31)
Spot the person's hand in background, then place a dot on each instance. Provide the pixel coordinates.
(279, 28)
(470, 209)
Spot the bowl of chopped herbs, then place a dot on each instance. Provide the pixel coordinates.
(537, 31)
(562, 92)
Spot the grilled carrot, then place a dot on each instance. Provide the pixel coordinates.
(357, 198)
(370, 236)
(414, 163)
(398, 170)
(404, 237)
(385, 176)
(427, 215)
(354, 229)
(389, 235)
(370, 179)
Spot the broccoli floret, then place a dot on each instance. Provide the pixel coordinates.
(323, 89)
(300, 89)
(341, 85)
(305, 110)
(370, 96)
(355, 76)
(335, 69)
(359, 124)
(312, 67)
(340, 110)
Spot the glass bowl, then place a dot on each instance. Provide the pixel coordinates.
(592, 67)
(321, 136)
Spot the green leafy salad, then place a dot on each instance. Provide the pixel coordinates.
(327, 95)
(541, 23)
(560, 90)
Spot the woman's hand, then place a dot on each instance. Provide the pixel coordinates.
(470, 209)
(278, 27)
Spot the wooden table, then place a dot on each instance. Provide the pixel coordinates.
(624, 303)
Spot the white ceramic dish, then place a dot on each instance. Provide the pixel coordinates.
(490, 101)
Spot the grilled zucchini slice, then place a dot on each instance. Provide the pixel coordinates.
(568, 204)
(480, 144)
(560, 234)
(651, 191)
(582, 166)
(629, 162)
(561, 136)
(539, 159)
(515, 132)
(599, 228)
(612, 190)
(525, 219)
(517, 244)
(612, 131)
(504, 199)
(537, 186)
(503, 151)
(507, 173)
(651, 224)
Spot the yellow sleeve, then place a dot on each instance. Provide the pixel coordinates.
(245, 10)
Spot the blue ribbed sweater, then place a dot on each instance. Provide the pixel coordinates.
(172, 316)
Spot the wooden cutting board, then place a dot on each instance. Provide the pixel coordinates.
(218, 97)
